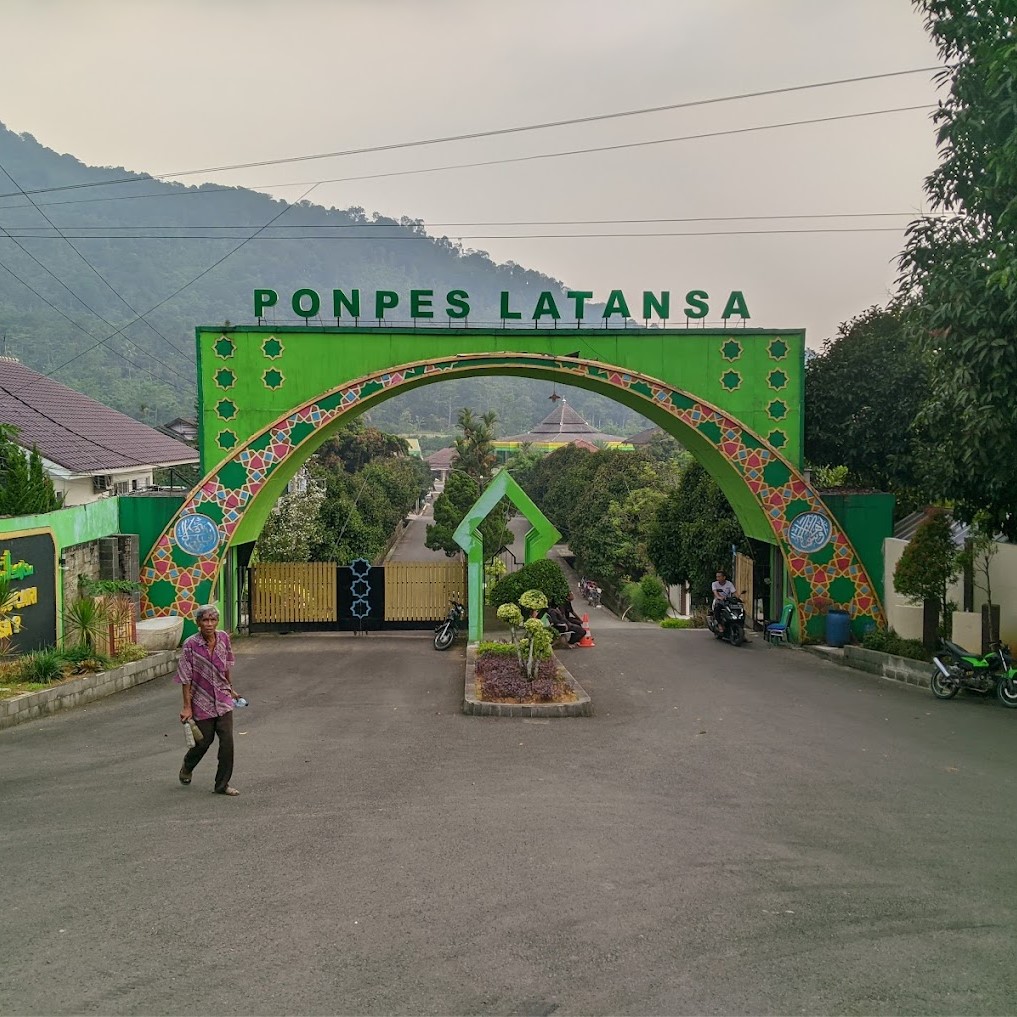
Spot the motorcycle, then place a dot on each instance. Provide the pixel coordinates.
(591, 591)
(446, 631)
(956, 669)
(728, 621)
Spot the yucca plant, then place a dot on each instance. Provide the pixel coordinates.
(85, 621)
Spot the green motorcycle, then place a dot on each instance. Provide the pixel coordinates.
(956, 669)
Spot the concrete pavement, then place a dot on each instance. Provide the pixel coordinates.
(743, 830)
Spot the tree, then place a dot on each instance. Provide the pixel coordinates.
(474, 450)
(450, 508)
(293, 527)
(977, 557)
(929, 563)
(862, 395)
(24, 487)
(960, 270)
(693, 534)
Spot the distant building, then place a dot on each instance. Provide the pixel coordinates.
(88, 450)
(184, 429)
(440, 463)
(562, 426)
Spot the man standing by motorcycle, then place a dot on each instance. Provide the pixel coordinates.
(722, 588)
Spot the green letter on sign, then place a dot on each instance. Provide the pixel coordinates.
(736, 305)
(546, 305)
(351, 303)
(616, 304)
(652, 305)
(697, 305)
(298, 303)
(384, 300)
(263, 299)
(420, 303)
(505, 312)
(457, 306)
(580, 297)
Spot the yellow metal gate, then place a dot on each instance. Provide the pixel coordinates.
(295, 592)
(420, 591)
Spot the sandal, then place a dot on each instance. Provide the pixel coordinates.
(231, 791)
(184, 777)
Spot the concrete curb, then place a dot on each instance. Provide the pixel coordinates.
(883, 665)
(78, 691)
(474, 707)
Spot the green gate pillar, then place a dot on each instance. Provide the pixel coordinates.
(539, 540)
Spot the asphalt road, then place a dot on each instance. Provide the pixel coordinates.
(736, 831)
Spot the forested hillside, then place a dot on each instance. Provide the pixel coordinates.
(156, 246)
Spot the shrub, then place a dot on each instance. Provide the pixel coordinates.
(41, 666)
(129, 653)
(887, 641)
(544, 575)
(654, 597)
(679, 623)
(496, 649)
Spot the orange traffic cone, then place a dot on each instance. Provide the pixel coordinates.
(587, 639)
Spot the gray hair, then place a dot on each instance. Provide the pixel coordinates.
(207, 609)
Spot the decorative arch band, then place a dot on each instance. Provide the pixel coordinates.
(176, 582)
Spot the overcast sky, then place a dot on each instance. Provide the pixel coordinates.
(171, 85)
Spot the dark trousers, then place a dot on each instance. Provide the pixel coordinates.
(221, 727)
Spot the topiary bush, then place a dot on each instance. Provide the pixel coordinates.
(544, 575)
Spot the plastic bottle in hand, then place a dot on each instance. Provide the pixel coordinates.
(188, 735)
(239, 701)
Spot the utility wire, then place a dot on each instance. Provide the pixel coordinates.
(176, 292)
(523, 158)
(517, 236)
(94, 270)
(508, 222)
(475, 135)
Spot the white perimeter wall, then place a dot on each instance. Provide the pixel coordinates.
(903, 616)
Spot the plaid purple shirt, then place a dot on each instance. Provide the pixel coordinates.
(205, 671)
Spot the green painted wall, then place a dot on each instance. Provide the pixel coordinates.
(70, 526)
(867, 520)
(147, 515)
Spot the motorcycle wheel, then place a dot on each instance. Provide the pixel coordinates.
(443, 637)
(737, 634)
(1006, 692)
(939, 688)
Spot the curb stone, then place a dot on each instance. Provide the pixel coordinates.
(474, 707)
(86, 689)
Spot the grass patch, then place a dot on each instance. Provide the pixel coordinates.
(680, 623)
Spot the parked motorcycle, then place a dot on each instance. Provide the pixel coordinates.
(728, 622)
(446, 632)
(956, 669)
(591, 591)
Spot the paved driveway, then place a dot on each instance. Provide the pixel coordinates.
(735, 831)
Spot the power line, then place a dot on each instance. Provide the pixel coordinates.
(518, 236)
(476, 135)
(94, 270)
(200, 275)
(524, 158)
(506, 222)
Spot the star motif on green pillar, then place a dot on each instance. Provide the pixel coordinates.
(272, 348)
(778, 439)
(225, 378)
(731, 380)
(776, 379)
(273, 378)
(777, 349)
(226, 440)
(776, 409)
(224, 347)
(225, 409)
(731, 350)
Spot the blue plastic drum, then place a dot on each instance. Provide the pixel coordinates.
(838, 627)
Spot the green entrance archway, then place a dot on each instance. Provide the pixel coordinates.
(269, 397)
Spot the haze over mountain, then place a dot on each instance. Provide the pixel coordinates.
(87, 251)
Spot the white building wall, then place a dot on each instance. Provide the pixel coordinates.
(902, 614)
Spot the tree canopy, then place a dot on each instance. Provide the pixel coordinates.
(959, 270)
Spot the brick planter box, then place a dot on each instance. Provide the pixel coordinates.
(886, 665)
(85, 689)
(583, 707)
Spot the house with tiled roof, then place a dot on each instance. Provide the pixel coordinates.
(90, 451)
(562, 426)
